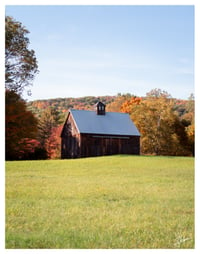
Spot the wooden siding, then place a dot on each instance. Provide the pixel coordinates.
(98, 145)
(70, 140)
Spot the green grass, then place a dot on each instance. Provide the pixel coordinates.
(103, 202)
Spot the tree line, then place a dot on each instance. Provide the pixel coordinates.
(166, 125)
(33, 129)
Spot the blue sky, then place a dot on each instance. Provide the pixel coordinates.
(105, 50)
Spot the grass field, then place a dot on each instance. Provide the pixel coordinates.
(103, 202)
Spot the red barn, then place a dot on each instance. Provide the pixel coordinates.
(97, 133)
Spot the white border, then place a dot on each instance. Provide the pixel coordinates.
(100, 2)
(196, 3)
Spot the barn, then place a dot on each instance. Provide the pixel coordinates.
(96, 133)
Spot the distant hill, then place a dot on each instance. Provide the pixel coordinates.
(62, 105)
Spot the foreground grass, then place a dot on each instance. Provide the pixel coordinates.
(104, 202)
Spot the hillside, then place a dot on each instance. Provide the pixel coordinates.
(113, 103)
(62, 105)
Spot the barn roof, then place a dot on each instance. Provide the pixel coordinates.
(111, 123)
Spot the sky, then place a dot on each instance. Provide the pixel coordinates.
(106, 50)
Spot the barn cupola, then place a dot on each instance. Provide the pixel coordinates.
(100, 108)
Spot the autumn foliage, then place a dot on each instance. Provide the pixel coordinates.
(163, 130)
(53, 143)
(21, 127)
(127, 106)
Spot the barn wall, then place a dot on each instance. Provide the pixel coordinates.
(70, 140)
(97, 145)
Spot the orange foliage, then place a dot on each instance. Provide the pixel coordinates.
(126, 107)
(53, 143)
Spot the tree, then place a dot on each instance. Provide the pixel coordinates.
(115, 105)
(53, 143)
(158, 93)
(21, 126)
(48, 122)
(162, 132)
(189, 117)
(45, 125)
(126, 107)
(20, 62)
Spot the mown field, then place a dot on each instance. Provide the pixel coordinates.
(104, 202)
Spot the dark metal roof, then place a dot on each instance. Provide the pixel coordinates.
(111, 123)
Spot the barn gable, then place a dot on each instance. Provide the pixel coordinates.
(94, 133)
